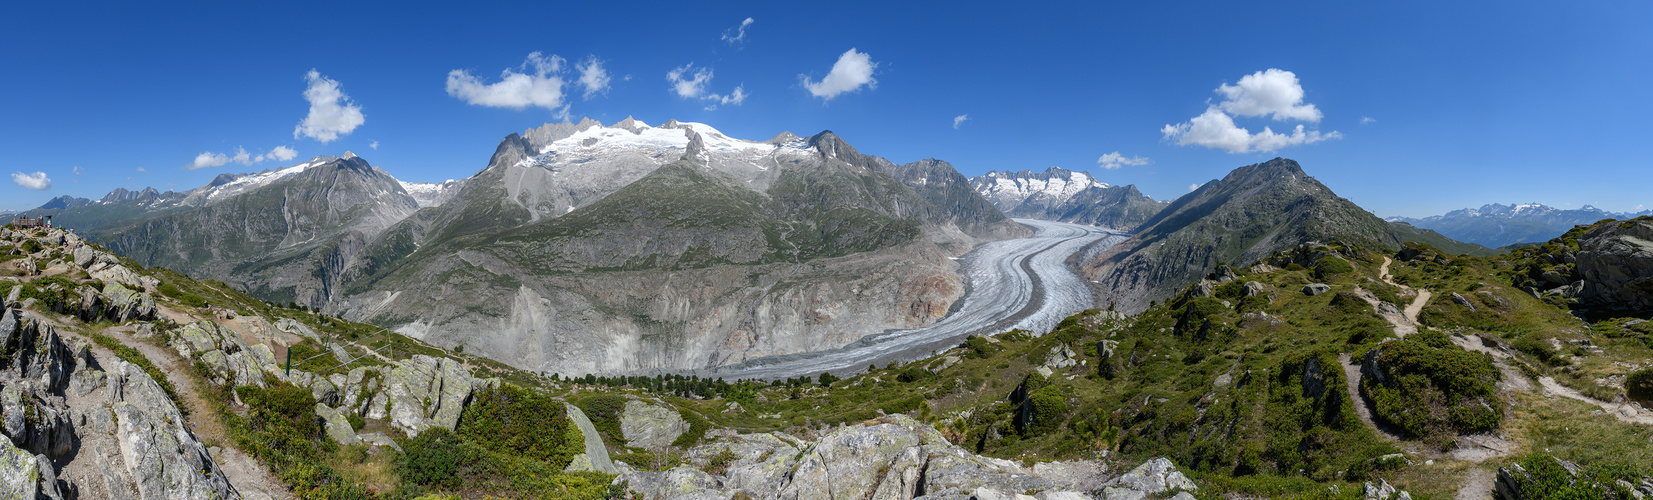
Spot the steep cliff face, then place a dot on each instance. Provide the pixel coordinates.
(1252, 212)
(727, 250)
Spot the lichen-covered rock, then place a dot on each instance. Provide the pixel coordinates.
(650, 427)
(379, 439)
(115, 274)
(338, 426)
(1154, 477)
(426, 392)
(1316, 288)
(595, 457)
(326, 393)
(164, 458)
(39, 425)
(19, 473)
(682, 483)
(294, 327)
(37, 353)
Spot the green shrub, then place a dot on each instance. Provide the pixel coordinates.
(827, 379)
(1331, 265)
(30, 246)
(604, 411)
(433, 459)
(1639, 385)
(1540, 349)
(912, 374)
(697, 429)
(1048, 407)
(1434, 387)
(507, 418)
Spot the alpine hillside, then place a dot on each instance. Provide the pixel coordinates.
(1252, 212)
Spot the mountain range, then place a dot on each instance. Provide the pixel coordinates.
(1496, 225)
(585, 248)
(1066, 196)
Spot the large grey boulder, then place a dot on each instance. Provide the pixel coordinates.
(123, 304)
(1154, 477)
(39, 425)
(595, 457)
(116, 274)
(338, 426)
(164, 458)
(1316, 288)
(294, 327)
(650, 427)
(36, 353)
(427, 392)
(1616, 263)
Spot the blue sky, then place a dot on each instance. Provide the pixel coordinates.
(1408, 108)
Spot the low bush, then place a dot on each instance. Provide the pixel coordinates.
(1434, 387)
(1639, 385)
(1329, 266)
(511, 419)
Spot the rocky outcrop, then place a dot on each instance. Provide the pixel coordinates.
(1154, 477)
(223, 351)
(427, 392)
(59, 405)
(595, 457)
(1615, 262)
(650, 427)
(894, 457)
(337, 425)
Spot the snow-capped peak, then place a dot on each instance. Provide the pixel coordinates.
(248, 182)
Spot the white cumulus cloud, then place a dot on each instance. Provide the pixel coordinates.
(1115, 160)
(36, 181)
(739, 32)
(541, 86)
(593, 78)
(283, 153)
(1275, 93)
(1194, 186)
(332, 113)
(1272, 92)
(959, 120)
(852, 71)
(207, 160)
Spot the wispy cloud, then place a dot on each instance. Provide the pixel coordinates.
(1115, 160)
(1274, 93)
(210, 159)
(78, 171)
(332, 113)
(689, 82)
(374, 145)
(852, 71)
(593, 78)
(36, 181)
(739, 32)
(140, 169)
(1367, 119)
(959, 120)
(1194, 186)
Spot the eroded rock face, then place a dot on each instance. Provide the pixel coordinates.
(426, 392)
(894, 457)
(649, 426)
(1616, 263)
(122, 422)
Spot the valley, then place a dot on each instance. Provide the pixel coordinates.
(1012, 284)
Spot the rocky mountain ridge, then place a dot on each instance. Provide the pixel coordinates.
(1252, 212)
(676, 245)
